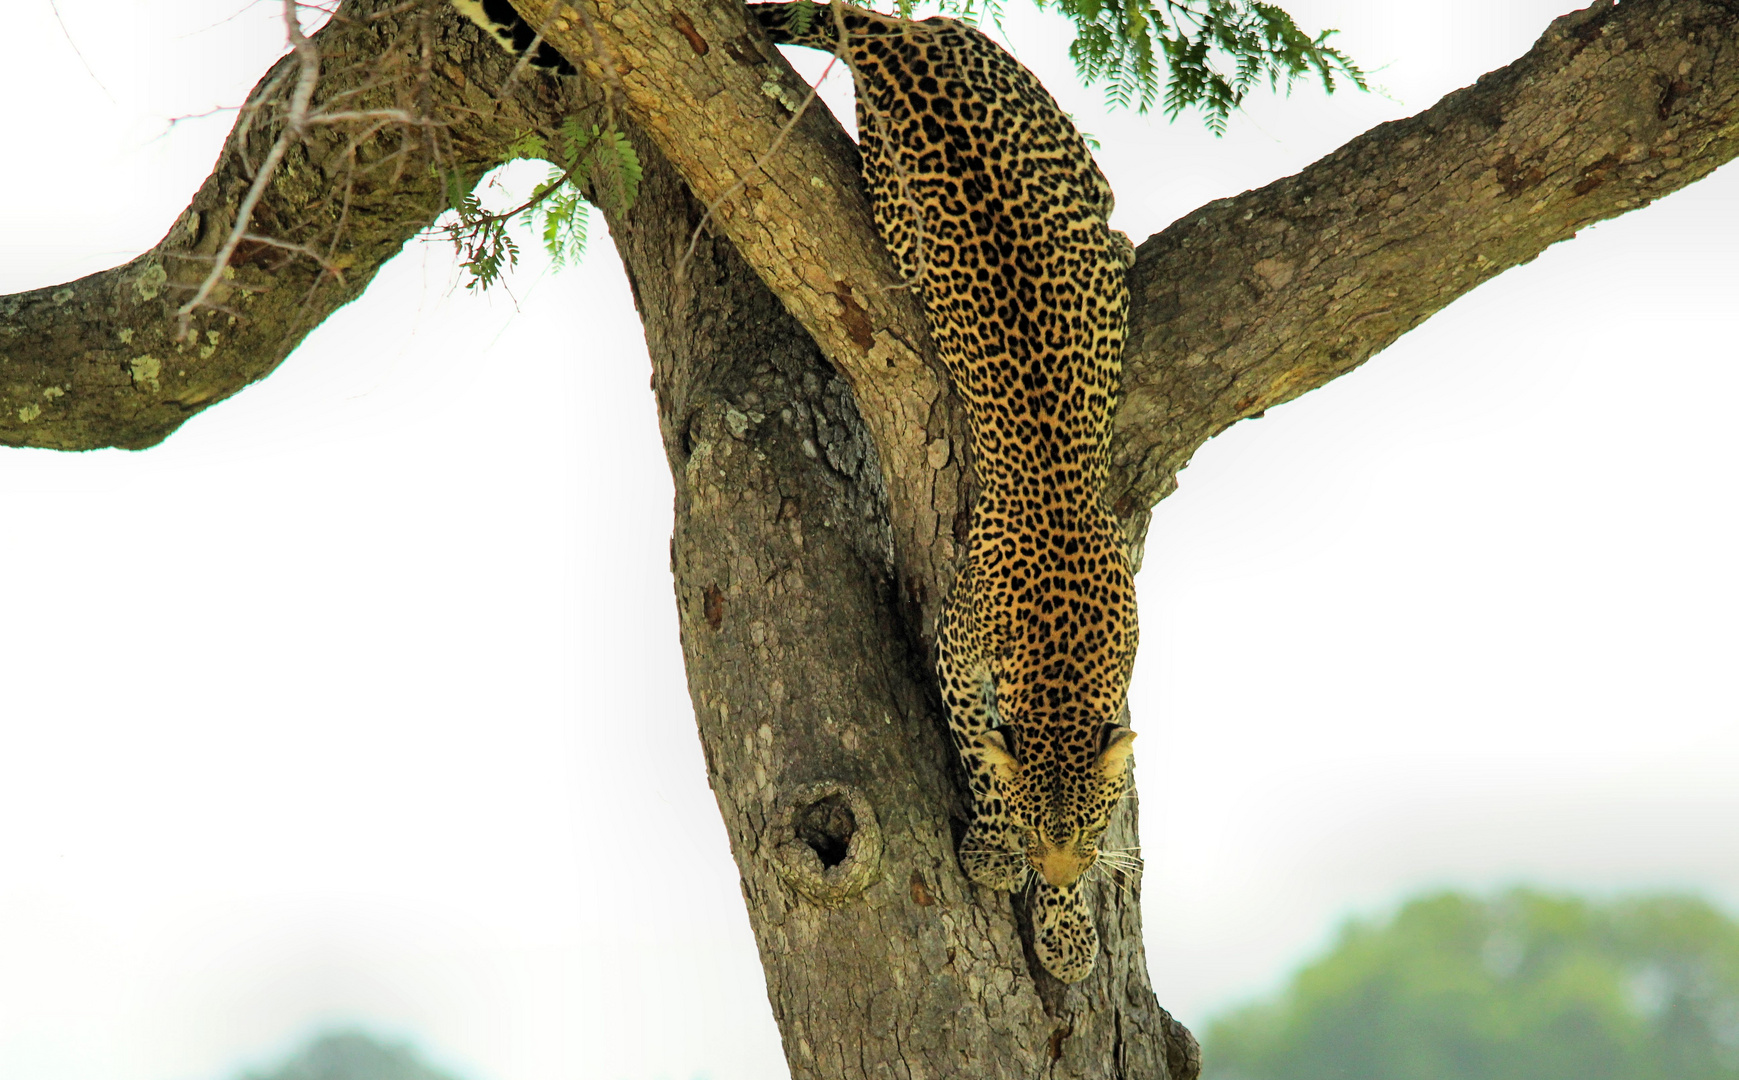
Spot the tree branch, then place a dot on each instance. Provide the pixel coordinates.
(1287, 287)
(101, 361)
(307, 56)
(1251, 301)
(713, 94)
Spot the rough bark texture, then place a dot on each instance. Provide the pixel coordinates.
(817, 453)
(100, 361)
(823, 736)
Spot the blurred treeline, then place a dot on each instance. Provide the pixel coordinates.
(1524, 986)
(352, 1055)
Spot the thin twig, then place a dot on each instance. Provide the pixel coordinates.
(550, 189)
(394, 10)
(607, 61)
(308, 61)
(52, 6)
(520, 65)
(302, 249)
(396, 115)
(207, 114)
(245, 122)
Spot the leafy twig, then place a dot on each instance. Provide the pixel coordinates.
(1126, 42)
(482, 237)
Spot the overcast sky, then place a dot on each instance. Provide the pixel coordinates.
(359, 700)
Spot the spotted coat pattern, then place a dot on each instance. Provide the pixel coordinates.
(996, 214)
(501, 23)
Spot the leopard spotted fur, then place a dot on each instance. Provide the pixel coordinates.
(996, 214)
(507, 28)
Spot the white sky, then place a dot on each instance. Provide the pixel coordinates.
(360, 700)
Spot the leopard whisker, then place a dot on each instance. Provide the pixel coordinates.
(1117, 881)
(1119, 863)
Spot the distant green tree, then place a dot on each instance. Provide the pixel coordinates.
(1521, 987)
(352, 1055)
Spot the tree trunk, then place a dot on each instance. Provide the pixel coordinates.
(820, 468)
(825, 743)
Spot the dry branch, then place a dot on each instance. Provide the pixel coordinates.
(274, 241)
(1251, 301)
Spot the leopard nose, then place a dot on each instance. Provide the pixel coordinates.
(1060, 866)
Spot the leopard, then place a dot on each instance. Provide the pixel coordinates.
(503, 25)
(996, 215)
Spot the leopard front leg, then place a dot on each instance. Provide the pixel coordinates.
(991, 851)
(1064, 938)
(986, 854)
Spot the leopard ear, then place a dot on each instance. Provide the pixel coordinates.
(1114, 759)
(995, 749)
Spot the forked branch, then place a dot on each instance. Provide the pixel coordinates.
(1253, 300)
(403, 100)
(1250, 301)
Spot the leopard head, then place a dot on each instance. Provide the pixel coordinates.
(1059, 814)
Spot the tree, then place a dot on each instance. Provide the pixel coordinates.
(811, 653)
(351, 1055)
(1524, 985)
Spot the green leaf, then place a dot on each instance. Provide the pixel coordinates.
(575, 139)
(563, 211)
(527, 144)
(1214, 51)
(622, 165)
(488, 252)
(974, 12)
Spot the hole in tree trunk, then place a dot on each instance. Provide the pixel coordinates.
(830, 846)
(827, 827)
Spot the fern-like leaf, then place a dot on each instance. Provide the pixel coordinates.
(1216, 52)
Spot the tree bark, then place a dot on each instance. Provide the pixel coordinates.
(818, 455)
(1249, 301)
(1312, 275)
(824, 739)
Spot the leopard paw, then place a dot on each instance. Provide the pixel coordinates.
(991, 860)
(1064, 937)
